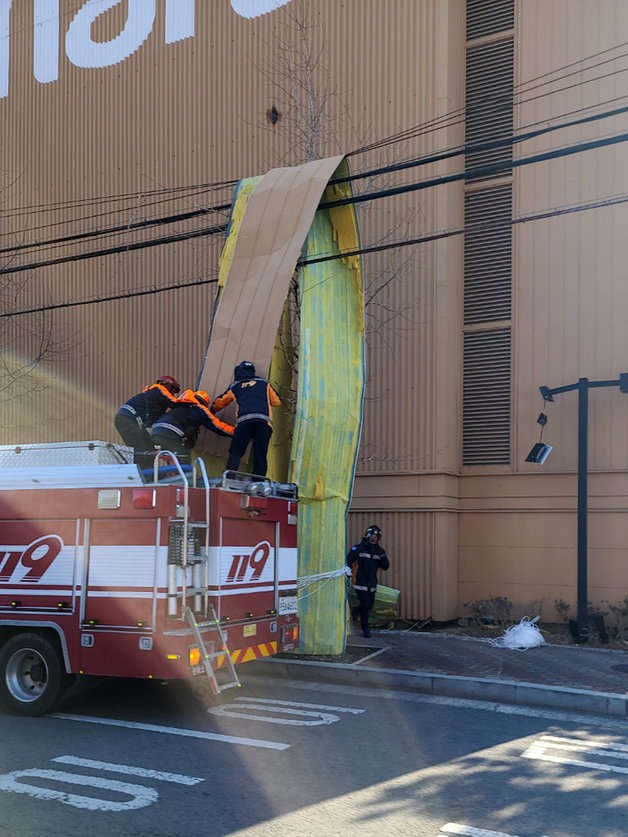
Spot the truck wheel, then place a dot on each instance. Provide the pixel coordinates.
(31, 678)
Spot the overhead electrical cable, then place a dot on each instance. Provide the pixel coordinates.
(122, 248)
(378, 248)
(135, 225)
(491, 169)
(407, 164)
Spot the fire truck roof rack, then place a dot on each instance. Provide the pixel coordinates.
(258, 486)
(64, 453)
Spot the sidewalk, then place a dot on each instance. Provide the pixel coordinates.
(571, 677)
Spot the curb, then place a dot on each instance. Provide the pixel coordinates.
(449, 685)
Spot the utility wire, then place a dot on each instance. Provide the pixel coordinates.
(491, 169)
(122, 248)
(135, 225)
(465, 149)
(410, 133)
(377, 248)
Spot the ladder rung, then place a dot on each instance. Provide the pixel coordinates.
(207, 626)
(231, 685)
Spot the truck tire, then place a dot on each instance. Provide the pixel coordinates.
(31, 677)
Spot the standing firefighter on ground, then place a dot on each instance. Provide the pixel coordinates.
(254, 398)
(140, 412)
(365, 560)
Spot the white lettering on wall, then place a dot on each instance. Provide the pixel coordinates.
(83, 51)
(46, 40)
(5, 8)
(179, 20)
(255, 8)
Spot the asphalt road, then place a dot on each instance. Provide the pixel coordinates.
(142, 759)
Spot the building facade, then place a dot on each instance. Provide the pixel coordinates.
(486, 138)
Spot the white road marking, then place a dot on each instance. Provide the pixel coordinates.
(619, 751)
(470, 831)
(177, 778)
(303, 705)
(141, 796)
(307, 714)
(188, 733)
(305, 717)
(605, 721)
(541, 749)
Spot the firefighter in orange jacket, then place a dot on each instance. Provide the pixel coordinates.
(254, 397)
(177, 431)
(138, 414)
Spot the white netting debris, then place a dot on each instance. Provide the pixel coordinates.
(522, 636)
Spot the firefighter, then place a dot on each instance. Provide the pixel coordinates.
(254, 397)
(177, 431)
(136, 416)
(366, 559)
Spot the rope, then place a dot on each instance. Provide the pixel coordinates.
(307, 580)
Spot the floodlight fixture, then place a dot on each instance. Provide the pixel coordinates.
(546, 394)
(539, 453)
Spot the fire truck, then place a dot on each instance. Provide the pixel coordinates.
(112, 571)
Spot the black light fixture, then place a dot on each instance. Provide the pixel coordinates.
(539, 453)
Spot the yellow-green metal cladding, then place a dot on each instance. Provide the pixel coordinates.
(328, 416)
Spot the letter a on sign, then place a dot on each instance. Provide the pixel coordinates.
(85, 52)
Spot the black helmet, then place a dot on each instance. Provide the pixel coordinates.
(243, 371)
(373, 530)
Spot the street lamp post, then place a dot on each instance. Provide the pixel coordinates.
(583, 386)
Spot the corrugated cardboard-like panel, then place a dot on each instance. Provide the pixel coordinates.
(276, 221)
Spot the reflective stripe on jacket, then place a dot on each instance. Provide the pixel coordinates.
(149, 404)
(254, 398)
(366, 559)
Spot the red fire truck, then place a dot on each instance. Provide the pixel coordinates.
(107, 570)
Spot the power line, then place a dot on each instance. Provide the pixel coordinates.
(491, 169)
(510, 140)
(122, 248)
(135, 225)
(488, 225)
(182, 216)
(97, 300)
(362, 251)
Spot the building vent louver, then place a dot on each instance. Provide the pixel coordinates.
(487, 255)
(486, 398)
(486, 17)
(489, 112)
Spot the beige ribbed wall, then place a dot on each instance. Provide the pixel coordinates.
(518, 530)
(194, 112)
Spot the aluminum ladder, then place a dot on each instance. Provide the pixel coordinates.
(211, 659)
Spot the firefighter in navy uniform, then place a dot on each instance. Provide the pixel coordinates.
(254, 398)
(138, 414)
(365, 560)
